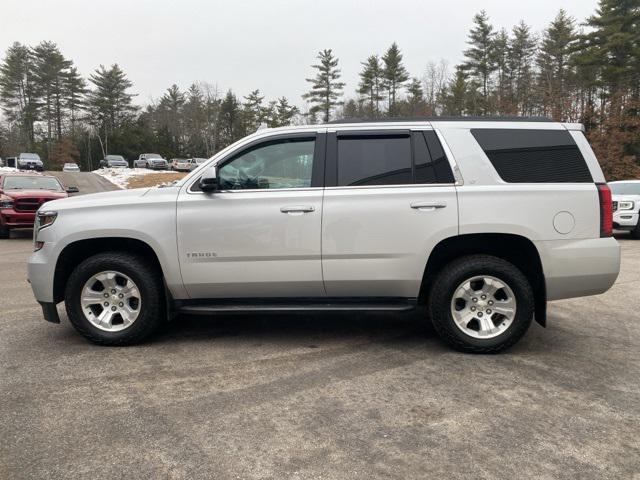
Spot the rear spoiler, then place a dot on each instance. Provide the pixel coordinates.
(574, 126)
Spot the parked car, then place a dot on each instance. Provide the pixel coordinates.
(174, 162)
(152, 161)
(626, 206)
(481, 221)
(21, 195)
(70, 167)
(189, 164)
(196, 162)
(114, 161)
(30, 161)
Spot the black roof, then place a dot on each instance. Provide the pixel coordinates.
(442, 119)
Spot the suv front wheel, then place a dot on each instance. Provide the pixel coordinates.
(481, 304)
(115, 298)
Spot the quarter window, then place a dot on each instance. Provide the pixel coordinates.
(286, 163)
(374, 160)
(533, 156)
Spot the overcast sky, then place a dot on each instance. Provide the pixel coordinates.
(266, 44)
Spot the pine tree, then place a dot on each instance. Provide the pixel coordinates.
(109, 102)
(394, 74)
(285, 112)
(522, 50)
(503, 104)
(455, 97)
(415, 98)
(371, 84)
(253, 110)
(17, 91)
(555, 66)
(230, 119)
(75, 88)
(50, 72)
(614, 43)
(480, 58)
(326, 88)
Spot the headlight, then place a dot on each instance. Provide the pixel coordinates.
(6, 203)
(626, 205)
(45, 218)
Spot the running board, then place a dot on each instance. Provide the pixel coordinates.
(235, 306)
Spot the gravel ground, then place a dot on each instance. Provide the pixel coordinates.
(322, 396)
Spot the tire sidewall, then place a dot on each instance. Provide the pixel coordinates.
(150, 300)
(508, 274)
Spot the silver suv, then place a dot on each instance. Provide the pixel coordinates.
(481, 221)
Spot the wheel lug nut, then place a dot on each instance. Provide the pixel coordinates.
(483, 297)
(106, 295)
(113, 309)
(474, 299)
(488, 312)
(113, 290)
(473, 309)
(490, 302)
(120, 295)
(479, 314)
(121, 304)
(106, 304)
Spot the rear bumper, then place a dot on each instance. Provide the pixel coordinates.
(13, 218)
(578, 268)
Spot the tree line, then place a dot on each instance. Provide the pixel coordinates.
(587, 72)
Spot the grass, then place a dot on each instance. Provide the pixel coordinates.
(153, 179)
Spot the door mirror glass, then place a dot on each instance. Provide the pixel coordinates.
(209, 181)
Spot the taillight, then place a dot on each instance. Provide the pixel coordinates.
(606, 210)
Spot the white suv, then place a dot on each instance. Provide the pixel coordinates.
(482, 221)
(626, 206)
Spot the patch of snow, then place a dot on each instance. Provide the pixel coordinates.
(121, 176)
(8, 170)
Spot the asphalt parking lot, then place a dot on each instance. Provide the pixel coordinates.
(326, 396)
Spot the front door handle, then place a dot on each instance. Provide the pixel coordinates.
(297, 209)
(428, 206)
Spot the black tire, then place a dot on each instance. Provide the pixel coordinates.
(635, 233)
(456, 272)
(4, 231)
(149, 282)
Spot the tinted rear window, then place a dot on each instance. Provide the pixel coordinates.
(431, 164)
(534, 156)
(374, 160)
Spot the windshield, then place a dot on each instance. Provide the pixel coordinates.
(629, 188)
(32, 183)
(200, 160)
(70, 165)
(29, 156)
(119, 158)
(152, 155)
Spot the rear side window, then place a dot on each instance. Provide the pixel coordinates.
(374, 160)
(534, 156)
(431, 164)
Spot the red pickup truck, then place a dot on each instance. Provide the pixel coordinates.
(22, 194)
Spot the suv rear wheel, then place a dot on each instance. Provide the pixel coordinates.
(115, 298)
(481, 304)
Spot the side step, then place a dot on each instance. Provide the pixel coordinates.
(200, 307)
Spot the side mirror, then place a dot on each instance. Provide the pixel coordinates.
(209, 181)
(72, 190)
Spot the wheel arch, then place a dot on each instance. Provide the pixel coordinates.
(76, 252)
(516, 249)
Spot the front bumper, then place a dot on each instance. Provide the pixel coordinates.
(625, 219)
(16, 219)
(159, 167)
(40, 272)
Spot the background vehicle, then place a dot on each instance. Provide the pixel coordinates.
(70, 167)
(21, 195)
(186, 164)
(114, 161)
(30, 161)
(196, 162)
(626, 206)
(152, 161)
(481, 221)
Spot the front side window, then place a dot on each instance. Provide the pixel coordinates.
(374, 160)
(284, 163)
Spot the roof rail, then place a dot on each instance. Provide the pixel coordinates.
(441, 119)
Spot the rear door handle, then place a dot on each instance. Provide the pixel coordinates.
(297, 209)
(428, 206)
